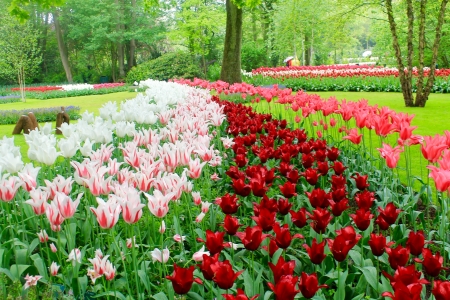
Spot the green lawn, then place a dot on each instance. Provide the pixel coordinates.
(90, 103)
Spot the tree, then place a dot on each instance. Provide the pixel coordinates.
(18, 9)
(19, 52)
(231, 64)
(423, 88)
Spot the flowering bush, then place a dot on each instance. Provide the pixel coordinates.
(240, 206)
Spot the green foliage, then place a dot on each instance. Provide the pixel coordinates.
(19, 50)
(168, 66)
(253, 56)
(18, 7)
(214, 72)
(9, 99)
(42, 114)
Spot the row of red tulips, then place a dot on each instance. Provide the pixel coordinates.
(338, 71)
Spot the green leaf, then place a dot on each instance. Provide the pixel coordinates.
(7, 273)
(267, 295)
(144, 279)
(193, 295)
(370, 273)
(248, 282)
(17, 270)
(340, 292)
(21, 256)
(115, 294)
(160, 296)
(40, 265)
(33, 246)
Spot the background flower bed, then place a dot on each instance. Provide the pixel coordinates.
(9, 99)
(42, 114)
(339, 78)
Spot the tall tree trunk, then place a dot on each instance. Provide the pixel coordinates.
(422, 98)
(254, 32)
(62, 48)
(113, 62)
(43, 42)
(132, 46)
(120, 51)
(406, 86)
(231, 65)
(307, 51)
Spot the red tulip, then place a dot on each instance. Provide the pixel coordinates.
(258, 185)
(307, 160)
(333, 154)
(228, 203)
(205, 266)
(288, 189)
(252, 237)
(320, 219)
(293, 176)
(361, 181)
(272, 248)
(239, 296)
(338, 208)
(433, 147)
(353, 136)
(284, 206)
(343, 243)
(323, 167)
(398, 256)
(234, 173)
(432, 264)
(298, 218)
(269, 204)
(283, 236)
(316, 251)
(282, 268)
(265, 219)
(339, 194)
(377, 243)
(285, 168)
(362, 219)
(231, 224)
(338, 168)
(441, 290)
(214, 241)
(391, 155)
(364, 199)
(416, 242)
(405, 275)
(318, 198)
(309, 285)
(285, 287)
(338, 182)
(224, 275)
(241, 188)
(241, 160)
(402, 292)
(311, 176)
(182, 279)
(390, 213)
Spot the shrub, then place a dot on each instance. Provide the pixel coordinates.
(165, 67)
(253, 56)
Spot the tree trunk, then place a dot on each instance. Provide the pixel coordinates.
(113, 62)
(43, 42)
(421, 99)
(120, 51)
(231, 65)
(307, 51)
(406, 86)
(62, 48)
(132, 46)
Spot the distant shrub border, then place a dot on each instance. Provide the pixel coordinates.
(42, 114)
(9, 99)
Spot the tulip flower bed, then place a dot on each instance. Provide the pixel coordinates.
(341, 78)
(42, 114)
(72, 90)
(180, 193)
